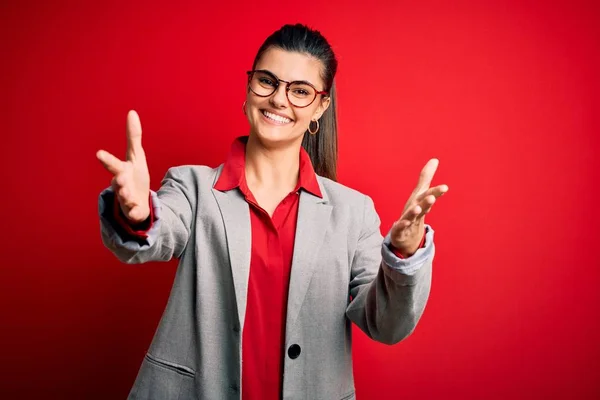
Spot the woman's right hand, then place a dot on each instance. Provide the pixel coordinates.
(131, 181)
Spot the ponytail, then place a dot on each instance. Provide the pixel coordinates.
(322, 147)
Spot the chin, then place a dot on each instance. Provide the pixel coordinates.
(277, 136)
(270, 135)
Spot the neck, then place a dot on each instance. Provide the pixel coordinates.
(272, 168)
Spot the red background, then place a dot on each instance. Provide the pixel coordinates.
(504, 93)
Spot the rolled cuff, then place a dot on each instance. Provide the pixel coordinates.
(412, 264)
(117, 234)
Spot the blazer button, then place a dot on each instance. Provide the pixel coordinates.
(236, 329)
(294, 351)
(234, 387)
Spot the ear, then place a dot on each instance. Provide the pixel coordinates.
(323, 106)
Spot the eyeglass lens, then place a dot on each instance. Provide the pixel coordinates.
(265, 84)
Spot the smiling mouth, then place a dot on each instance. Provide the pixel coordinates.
(276, 118)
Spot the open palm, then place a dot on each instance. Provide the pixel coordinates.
(131, 181)
(407, 232)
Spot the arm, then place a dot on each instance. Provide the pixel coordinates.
(389, 294)
(167, 237)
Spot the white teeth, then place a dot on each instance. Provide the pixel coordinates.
(276, 117)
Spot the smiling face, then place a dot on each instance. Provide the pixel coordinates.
(273, 120)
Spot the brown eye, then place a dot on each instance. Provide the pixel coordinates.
(301, 92)
(266, 81)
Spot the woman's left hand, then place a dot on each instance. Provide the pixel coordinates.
(406, 233)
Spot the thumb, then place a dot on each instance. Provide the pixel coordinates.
(134, 135)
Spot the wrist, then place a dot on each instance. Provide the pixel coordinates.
(401, 252)
(405, 250)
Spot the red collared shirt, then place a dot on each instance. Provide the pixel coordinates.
(273, 239)
(263, 337)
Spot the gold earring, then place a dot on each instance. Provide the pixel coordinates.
(316, 130)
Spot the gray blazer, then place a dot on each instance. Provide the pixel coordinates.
(342, 272)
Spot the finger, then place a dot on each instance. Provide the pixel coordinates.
(401, 224)
(426, 205)
(426, 175)
(110, 162)
(412, 213)
(125, 198)
(136, 214)
(120, 180)
(120, 188)
(134, 134)
(124, 194)
(437, 191)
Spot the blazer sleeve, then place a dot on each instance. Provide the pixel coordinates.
(389, 294)
(173, 207)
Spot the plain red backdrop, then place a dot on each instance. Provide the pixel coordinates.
(505, 94)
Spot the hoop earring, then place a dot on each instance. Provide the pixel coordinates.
(244, 107)
(316, 130)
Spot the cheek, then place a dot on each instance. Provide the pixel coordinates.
(253, 107)
(303, 117)
(256, 102)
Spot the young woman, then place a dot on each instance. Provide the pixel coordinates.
(276, 258)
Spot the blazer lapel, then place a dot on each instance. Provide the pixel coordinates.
(313, 220)
(236, 217)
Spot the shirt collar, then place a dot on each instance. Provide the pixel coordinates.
(233, 174)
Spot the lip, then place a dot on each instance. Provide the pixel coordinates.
(276, 113)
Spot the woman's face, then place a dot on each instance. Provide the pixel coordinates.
(289, 123)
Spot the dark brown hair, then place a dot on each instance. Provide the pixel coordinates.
(322, 147)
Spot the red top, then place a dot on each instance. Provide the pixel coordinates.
(263, 336)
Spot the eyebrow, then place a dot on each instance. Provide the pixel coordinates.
(269, 72)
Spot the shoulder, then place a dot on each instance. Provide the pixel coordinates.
(338, 194)
(200, 176)
(357, 207)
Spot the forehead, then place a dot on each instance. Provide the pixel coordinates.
(291, 66)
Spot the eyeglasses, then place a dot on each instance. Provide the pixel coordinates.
(299, 93)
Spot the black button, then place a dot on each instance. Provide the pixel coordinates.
(294, 351)
(234, 387)
(236, 328)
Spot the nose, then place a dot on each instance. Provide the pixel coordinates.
(279, 98)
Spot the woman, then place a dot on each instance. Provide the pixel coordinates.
(276, 258)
